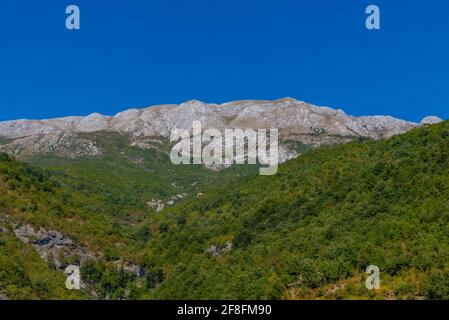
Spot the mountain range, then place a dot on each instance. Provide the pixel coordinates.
(296, 121)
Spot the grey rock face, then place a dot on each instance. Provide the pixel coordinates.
(64, 144)
(296, 120)
(430, 120)
(215, 250)
(156, 205)
(288, 115)
(53, 245)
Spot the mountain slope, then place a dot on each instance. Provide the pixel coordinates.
(312, 229)
(88, 212)
(308, 232)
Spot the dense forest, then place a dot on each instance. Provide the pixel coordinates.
(309, 232)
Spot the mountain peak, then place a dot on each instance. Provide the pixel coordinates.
(193, 102)
(431, 120)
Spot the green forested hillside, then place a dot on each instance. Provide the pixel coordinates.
(30, 196)
(307, 232)
(311, 230)
(24, 275)
(131, 175)
(100, 204)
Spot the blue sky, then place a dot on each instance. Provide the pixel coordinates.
(139, 53)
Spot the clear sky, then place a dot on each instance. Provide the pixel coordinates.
(136, 53)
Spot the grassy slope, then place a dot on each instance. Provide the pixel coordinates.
(4, 141)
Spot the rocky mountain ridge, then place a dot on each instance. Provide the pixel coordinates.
(295, 120)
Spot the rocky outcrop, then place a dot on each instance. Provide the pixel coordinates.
(65, 144)
(53, 246)
(131, 268)
(430, 120)
(156, 205)
(159, 205)
(216, 250)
